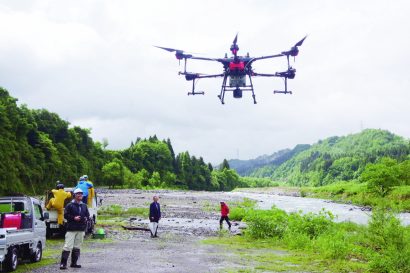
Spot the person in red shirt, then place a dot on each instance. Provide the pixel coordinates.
(224, 215)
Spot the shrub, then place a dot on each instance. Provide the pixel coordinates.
(390, 242)
(237, 214)
(266, 223)
(310, 224)
(334, 244)
(239, 210)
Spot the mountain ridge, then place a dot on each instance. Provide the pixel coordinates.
(336, 158)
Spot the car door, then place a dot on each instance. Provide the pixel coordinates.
(39, 225)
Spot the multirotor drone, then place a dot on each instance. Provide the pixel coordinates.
(236, 69)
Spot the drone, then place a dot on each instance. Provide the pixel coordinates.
(236, 69)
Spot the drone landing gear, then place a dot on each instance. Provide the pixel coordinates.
(237, 91)
(284, 91)
(193, 90)
(196, 93)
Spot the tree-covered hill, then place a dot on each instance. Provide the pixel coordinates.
(341, 158)
(37, 148)
(263, 166)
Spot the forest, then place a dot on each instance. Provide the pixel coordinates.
(38, 148)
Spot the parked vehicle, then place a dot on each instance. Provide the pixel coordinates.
(22, 231)
(52, 225)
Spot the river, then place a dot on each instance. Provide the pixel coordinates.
(343, 212)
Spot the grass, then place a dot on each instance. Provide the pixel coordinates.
(276, 241)
(272, 256)
(357, 193)
(119, 211)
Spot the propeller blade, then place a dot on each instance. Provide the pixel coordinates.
(236, 39)
(170, 49)
(300, 42)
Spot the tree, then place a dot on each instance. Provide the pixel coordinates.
(382, 176)
(113, 173)
(225, 165)
(155, 180)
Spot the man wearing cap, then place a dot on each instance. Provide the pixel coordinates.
(91, 192)
(76, 213)
(84, 186)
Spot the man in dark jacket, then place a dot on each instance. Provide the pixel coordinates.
(77, 215)
(154, 216)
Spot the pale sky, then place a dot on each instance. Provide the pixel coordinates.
(94, 64)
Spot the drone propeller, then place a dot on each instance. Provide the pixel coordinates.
(169, 49)
(178, 53)
(234, 46)
(301, 41)
(236, 39)
(294, 50)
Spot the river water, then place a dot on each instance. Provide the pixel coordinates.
(343, 212)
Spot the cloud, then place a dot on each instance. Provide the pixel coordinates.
(93, 63)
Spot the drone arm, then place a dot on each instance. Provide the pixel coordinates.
(266, 57)
(204, 59)
(210, 76)
(200, 76)
(266, 75)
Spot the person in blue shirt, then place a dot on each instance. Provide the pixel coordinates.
(84, 186)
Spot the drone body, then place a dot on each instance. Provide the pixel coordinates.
(236, 70)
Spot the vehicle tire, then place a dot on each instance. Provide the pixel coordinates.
(49, 233)
(12, 259)
(37, 253)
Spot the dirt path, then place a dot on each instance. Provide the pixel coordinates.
(188, 217)
(169, 253)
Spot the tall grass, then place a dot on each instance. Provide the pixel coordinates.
(384, 245)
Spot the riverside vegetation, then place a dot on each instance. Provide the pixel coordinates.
(37, 148)
(277, 241)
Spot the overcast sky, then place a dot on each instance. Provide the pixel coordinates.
(93, 63)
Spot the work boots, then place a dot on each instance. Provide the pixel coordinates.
(74, 258)
(64, 258)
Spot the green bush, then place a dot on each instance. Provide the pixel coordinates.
(390, 242)
(239, 210)
(266, 223)
(334, 244)
(237, 213)
(310, 224)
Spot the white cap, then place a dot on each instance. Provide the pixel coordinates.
(78, 190)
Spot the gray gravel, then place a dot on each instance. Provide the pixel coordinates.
(188, 217)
